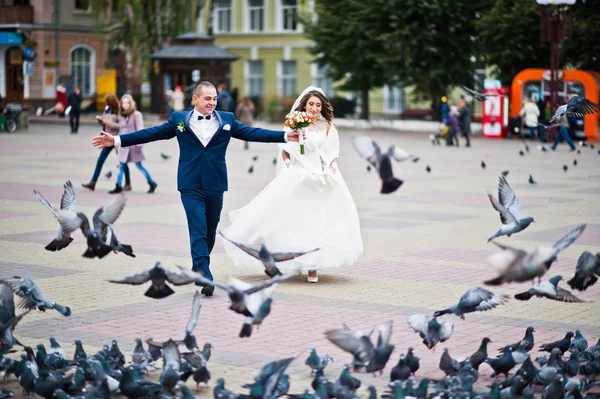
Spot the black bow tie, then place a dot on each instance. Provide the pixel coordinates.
(200, 117)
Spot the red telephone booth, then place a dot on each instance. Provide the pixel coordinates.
(494, 118)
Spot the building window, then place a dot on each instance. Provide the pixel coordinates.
(287, 78)
(256, 15)
(393, 98)
(289, 13)
(254, 78)
(320, 78)
(200, 25)
(82, 5)
(223, 13)
(83, 69)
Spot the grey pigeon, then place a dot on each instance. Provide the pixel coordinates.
(579, 342)
(171, 364)
(365, 352)
(586, 271)
(220, 392)
(480, 355)
(562, 345)
(430, 330)
(475, 299)
(245, 298)
(519, 266)
(96, 236)
(477, 95)
(531, 181)
(401, 371)
(527, 342)
(118, 246)
(549, 289)
(483, 165)
(502, 364)
(8, 317)
(140, 356)
(412, 361)
(316, 362)
(257, 317)
(189, 340)
(108, 174)
(159, 277)
(576, 106)
(67, 202)
(267, 258)
(370, 150)
(32, 297)
(449, 366)
(509, 208)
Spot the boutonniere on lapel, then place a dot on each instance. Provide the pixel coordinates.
(181, 126)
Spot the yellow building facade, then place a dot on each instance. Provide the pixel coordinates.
(275, 59)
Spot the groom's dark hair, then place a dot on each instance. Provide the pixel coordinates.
(202, 84)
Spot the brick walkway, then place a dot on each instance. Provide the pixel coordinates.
(424, 246)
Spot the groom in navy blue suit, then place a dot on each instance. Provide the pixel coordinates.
(203, 135)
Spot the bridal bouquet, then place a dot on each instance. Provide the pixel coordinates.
(298, 120)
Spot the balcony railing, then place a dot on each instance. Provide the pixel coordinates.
(16, 14)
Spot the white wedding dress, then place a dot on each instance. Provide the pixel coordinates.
(306, 206)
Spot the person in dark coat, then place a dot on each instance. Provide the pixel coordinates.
(465, 120)
(74, 101)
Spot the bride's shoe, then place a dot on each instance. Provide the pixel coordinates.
(312, 276)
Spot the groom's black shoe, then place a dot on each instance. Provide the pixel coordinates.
(208, 291)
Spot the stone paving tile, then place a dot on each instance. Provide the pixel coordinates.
(9, 269)
(411, 263)
(4, 214)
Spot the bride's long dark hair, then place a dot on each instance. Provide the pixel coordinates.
(326, 108)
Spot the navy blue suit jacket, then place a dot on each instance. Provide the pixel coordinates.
(200, 166)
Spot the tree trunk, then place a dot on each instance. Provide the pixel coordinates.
(364, 104)
(436, 104)
(211, 8)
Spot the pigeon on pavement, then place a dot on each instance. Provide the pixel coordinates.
(430, 330)
(477, 95)
(527, 342)
(475, 299)
(159, 277)
(577, 106)
(67, 202)
(32, 297)
(103, 218)
(372, 357)
(267, 258)
(519, 266)
(549, 289)
(509, 208)
(531, 181)
(370, 150)
(579, 342)
(563, 344)
(586, 271)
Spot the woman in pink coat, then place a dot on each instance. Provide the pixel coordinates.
(131, 120)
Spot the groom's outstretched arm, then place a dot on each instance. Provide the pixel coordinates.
(165, 131)
(243, 132)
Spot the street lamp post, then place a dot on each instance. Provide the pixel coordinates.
(555, 19)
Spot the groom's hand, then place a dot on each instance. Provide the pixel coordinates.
(294, 134)
(104, 140)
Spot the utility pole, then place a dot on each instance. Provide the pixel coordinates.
(57, 37)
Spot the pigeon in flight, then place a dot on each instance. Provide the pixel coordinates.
(8, 317)
(517, 265)
(430, 330)
(267, 258)
(32, 297)
(475, 299)
(509, 208)
(587, 271)
(159, 277)
(369, 150)
(372, 357)
(577, 106)
(245, 298)
(477, 95)
(549, 289)
(67, 202)
(96, 237)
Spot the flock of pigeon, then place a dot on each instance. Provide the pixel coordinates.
(50, 373)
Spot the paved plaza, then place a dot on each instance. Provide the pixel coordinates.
(423, 247)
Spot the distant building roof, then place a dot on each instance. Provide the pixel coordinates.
(194, 36)
(178, 51)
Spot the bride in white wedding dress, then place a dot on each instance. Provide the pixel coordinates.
(306, 206)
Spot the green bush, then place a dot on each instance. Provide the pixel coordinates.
(343, 107)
